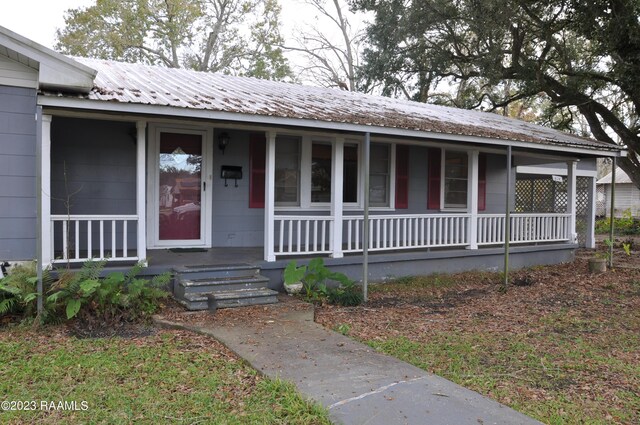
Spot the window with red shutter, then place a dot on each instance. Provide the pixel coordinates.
(402, 176)
(434, 161)
(257, 157)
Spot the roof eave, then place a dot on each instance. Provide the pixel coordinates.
(173, 111)
(55, 70)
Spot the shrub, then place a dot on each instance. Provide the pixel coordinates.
(315, 277)
(19, 291)
(625, 225)
(118, 296)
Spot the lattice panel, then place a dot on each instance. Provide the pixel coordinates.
(601, 201)
(543, 195)
(582, 207)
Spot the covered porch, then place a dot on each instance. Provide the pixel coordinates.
(424, 197)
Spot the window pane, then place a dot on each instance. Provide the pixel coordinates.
(455, 179)
(287, 188)
(320, 173)
(379, 175)
(350, 174)
(180, 182)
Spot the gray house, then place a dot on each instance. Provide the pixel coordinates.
(127, 162)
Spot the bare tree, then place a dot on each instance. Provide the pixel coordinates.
(332, 51)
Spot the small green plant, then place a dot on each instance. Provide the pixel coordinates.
(343, 328)
(126, 296)
(19, 291)
(627, 248)
(118, 296)
(73, 290)
(314, 278)
(606, 254)
(626, 225)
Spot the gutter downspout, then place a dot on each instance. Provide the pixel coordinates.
(365, 230)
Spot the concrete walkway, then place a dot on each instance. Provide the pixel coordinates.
(356, 384)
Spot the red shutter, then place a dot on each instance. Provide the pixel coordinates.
(434, 162)
(257, 158)
(402, 176)
(482, 182)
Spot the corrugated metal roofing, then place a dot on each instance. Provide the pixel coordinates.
(154, 85)
(621, 177)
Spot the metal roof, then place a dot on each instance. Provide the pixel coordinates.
(621, 178)
(181, 88)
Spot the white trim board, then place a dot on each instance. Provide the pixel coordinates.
(97, 105)
(527, 169)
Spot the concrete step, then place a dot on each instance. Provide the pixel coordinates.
(204, 286)
(219, 284)
(205, 271)
(239, 298)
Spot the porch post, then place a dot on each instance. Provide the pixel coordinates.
(337, 196)
(571, 199)
(590, 241)
(45, 192)
(269, 196)
(141, 172)
(472, 199)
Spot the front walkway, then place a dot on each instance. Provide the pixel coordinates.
(356, 384)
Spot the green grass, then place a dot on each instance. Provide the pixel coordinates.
(169, 378)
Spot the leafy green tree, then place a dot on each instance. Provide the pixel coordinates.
(576, 62)
(204, 35)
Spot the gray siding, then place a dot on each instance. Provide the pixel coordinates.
(417, 181)
(234, 223)
(16, 74)
(17, 173)
(496, 184)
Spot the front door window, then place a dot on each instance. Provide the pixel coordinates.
(180, 187)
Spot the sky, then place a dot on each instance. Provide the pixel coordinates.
(39, 19)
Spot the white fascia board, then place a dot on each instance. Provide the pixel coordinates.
(527, 169)
(142, 109)
(55, 69)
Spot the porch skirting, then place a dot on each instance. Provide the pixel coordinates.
(387, 266)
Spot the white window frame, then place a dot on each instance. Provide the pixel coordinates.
(305, 159)
(443, 207)
(301, 154)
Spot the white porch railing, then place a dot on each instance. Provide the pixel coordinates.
(78, 238)
(303, 235)
(299, 235)
(391, 232)
(525, 228)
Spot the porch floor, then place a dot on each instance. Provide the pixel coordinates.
(212, 256)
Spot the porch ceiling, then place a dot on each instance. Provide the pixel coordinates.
(137, 84)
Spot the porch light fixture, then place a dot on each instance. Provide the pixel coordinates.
(223, 141)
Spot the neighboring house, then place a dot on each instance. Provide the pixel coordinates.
(101, 159)
(627, 195)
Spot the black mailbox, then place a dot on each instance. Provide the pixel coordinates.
(231, 172)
